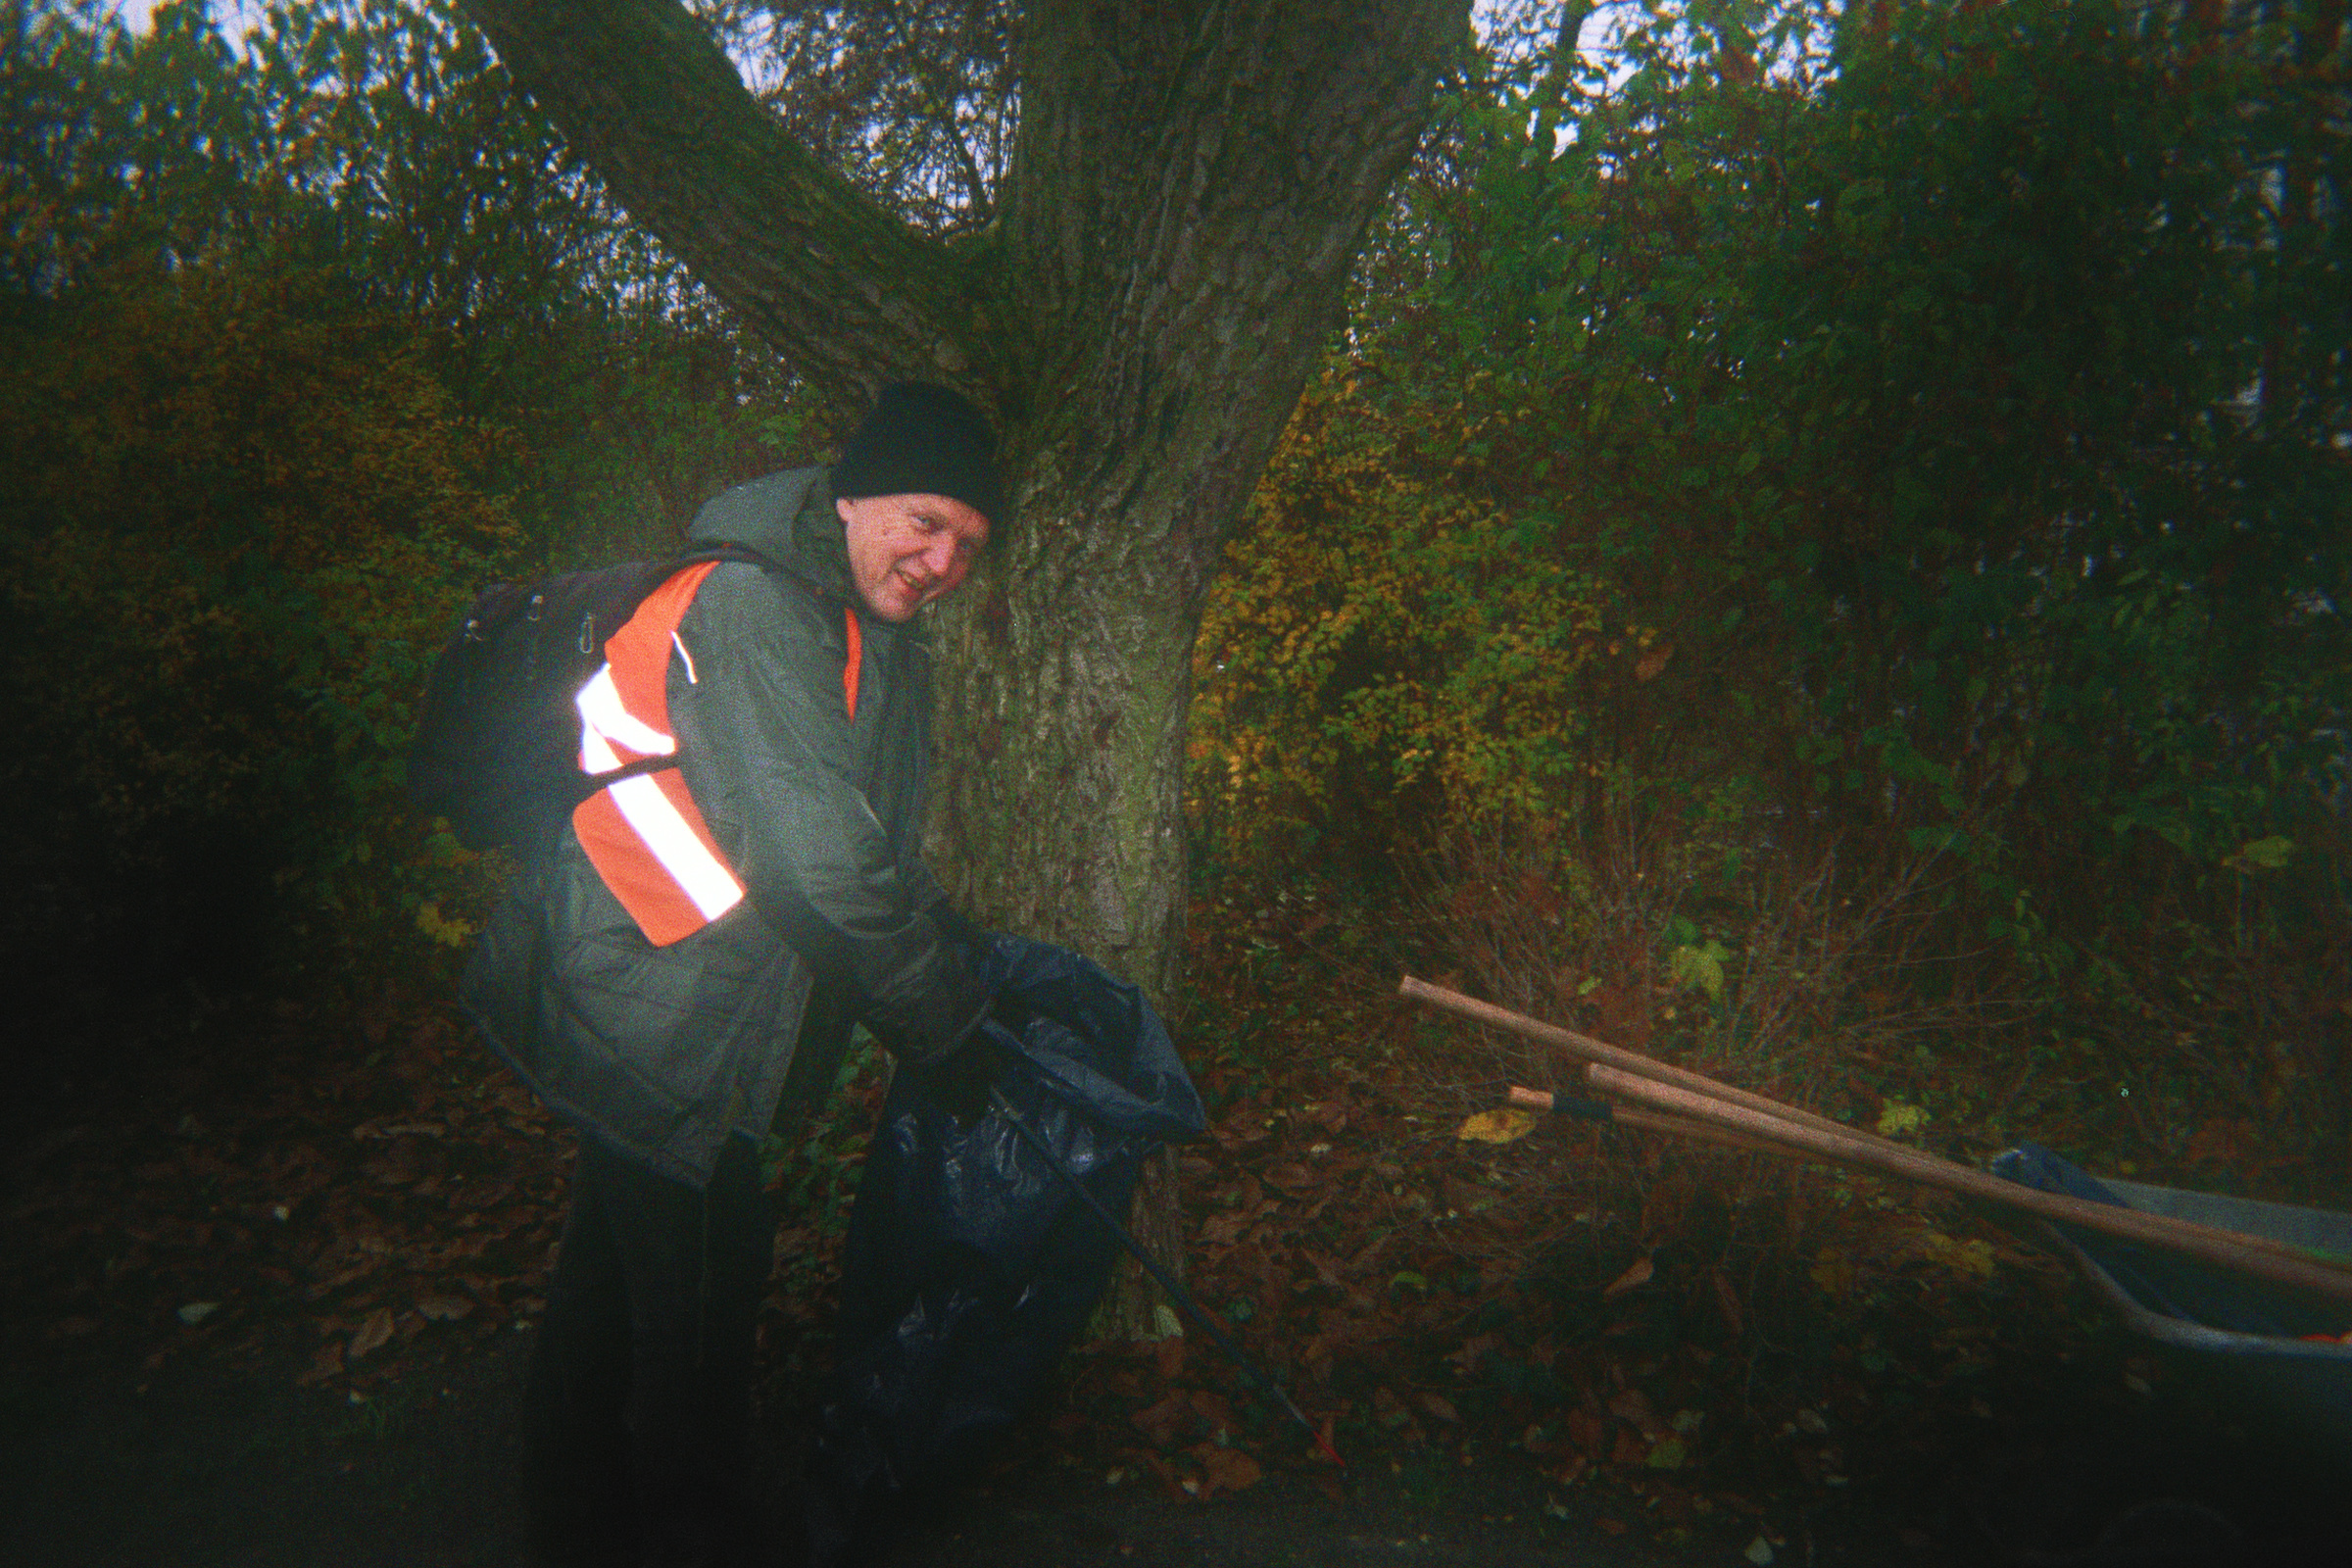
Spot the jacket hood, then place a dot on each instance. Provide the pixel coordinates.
(789, 518)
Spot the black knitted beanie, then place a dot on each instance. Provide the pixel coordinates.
(922, 439)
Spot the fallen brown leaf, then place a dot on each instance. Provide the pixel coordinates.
(1223, 1230)
(373, 1331)
(1637, 1275)
(1465, 1359)
(328, 1363)
(1632, 1405)
(1212, 1409)
(1164, 1421)
(1226, 1469)
(1726, 1300)
(1506, 1126)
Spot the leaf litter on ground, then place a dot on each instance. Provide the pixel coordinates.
(326, 1193)
(1426, 1299)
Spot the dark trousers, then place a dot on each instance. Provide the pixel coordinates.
(637, 1407)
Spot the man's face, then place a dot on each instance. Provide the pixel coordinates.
(905, 550)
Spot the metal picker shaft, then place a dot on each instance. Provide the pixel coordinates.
(1167, 1280)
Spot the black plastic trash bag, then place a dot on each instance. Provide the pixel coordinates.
(970, 1263)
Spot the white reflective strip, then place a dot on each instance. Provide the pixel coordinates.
(712, 888)
(658, 824)
(601, 711)
(680, 646)
(597, 755)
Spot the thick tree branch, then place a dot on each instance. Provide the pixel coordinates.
(1190, 181)
(1235, 153)
(847, 291)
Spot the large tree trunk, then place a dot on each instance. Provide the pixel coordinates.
(1190, 182)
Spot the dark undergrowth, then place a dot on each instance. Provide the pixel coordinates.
(1691, 1348)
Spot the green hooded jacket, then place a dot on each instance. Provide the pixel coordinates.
(665, 1052)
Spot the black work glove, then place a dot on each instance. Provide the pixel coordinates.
(953, 927)
(960, 1082)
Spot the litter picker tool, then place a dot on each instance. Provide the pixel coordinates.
(1167, 1280)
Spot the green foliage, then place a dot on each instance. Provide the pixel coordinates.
(1382, 641)
(2062, 541)
(1893, 454)
(235, 530)
(913, 100)
(122, 151)
(313, 333)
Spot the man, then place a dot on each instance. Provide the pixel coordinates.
(684, 967)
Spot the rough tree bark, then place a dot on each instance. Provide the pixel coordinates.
(1190, 182)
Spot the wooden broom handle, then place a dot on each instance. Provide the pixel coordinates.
(2251, 1255)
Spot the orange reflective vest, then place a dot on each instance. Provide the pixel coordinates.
(644, 834)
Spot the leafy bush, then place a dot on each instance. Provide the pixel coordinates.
(1382, 645)
(241, 516)
(316, 334)
(1867, 482)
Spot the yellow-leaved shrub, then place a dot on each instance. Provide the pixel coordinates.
(1380, 647)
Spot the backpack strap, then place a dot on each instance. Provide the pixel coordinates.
(589, 783)
(852, 634)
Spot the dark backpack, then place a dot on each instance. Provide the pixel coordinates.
(496, 747)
